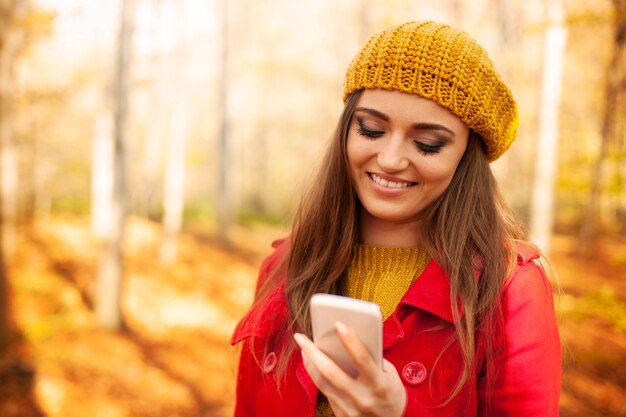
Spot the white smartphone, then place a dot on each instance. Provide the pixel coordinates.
(363, 317)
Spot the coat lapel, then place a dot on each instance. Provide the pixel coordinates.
(431, 293)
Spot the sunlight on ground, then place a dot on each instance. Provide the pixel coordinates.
(175, 361)
(159, 310)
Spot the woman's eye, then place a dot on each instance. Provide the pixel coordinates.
(427, 148)
(367, 132)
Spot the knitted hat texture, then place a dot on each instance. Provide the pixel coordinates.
(445, 65)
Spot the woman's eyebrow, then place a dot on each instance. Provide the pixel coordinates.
(416, 126)
(431, 126)
(375, 113)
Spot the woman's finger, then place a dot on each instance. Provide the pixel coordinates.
(325, 369)
(368, 370)
(338, 398)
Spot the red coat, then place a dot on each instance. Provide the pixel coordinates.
(529, 360)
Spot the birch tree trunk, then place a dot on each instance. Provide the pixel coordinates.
(509, 20)
(174, 183)
(224, 197)
(612, 125)
(152, 150)
(176, 146)
(108, 286)
(10, 41)
(102, 175)
(5, 317)
(102, 139)
(542, 210)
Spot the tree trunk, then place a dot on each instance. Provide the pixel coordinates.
(5, 318)
(10, 42)
(102, 175)
(224, 197)
(148, 204)
(176, 146)
(107, 297)
(542, 210)
(619, 118)
(612, 126)
(507, 168)
(174, 183)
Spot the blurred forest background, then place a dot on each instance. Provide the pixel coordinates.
(150, 151)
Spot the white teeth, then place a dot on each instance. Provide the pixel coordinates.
(389, 184)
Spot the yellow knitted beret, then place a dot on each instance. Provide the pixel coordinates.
(446, 66)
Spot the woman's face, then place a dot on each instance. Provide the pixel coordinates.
(402, 152)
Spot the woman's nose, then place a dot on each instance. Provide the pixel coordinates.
(392, 156)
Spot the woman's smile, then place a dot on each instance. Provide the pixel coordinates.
(390, 182)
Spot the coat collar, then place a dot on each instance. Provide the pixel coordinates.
(431, 293)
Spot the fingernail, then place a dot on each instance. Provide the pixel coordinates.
(340, 327)
(298, 338)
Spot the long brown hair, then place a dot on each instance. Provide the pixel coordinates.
(469, 228)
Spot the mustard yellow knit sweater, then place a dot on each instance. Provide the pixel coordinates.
(381, 275)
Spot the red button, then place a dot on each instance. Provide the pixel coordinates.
(414, 373)
(269, 362)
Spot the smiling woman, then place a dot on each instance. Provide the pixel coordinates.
(406, 213)
(402, 151)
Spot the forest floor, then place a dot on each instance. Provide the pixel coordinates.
(174, 359)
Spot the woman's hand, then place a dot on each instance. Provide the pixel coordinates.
(375, 392)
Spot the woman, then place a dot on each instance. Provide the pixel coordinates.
(405, 212)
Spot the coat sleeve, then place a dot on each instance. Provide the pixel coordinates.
(246, 334)
(527, 377)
